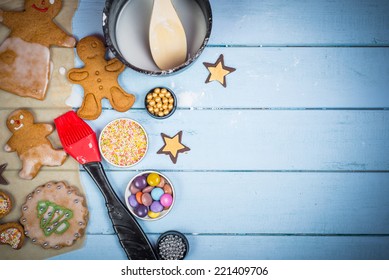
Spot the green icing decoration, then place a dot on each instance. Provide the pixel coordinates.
(53, 218)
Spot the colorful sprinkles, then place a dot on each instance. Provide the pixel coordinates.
(5, 204)
(123, 142)
(11, 236)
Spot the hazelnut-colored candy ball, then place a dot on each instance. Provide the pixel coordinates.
(160, 102)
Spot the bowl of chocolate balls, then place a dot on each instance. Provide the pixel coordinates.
(160, 102)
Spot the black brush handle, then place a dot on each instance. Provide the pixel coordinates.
(131, 236)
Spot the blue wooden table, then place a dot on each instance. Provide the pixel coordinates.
(291, 159)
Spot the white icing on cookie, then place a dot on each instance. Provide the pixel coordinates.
(19, 127)
(27, 70)
(62, 71)
(52, 2)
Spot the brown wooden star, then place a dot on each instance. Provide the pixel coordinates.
(173, 146)
(3, 181)
(218, 71)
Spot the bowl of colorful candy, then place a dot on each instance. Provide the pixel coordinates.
(160, 102)
(150, 195)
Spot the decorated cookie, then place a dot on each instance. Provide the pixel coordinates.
(54, 215)
(173, 146)
(30, 141)
(12, 234)
(5, 204)
(218, 71)
(25, 54)
(99, 78)
(3, 181)
(35, 24)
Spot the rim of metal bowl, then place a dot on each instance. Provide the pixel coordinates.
(204, 5)
(173, 232)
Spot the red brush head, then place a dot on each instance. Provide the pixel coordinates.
(77, 138)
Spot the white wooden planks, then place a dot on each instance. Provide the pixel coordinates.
(251, 248)
(278, 78)
(294, 140)
(306, 23)
(260, 203)
(278, 23)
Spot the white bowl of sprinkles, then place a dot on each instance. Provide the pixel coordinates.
(123, 142)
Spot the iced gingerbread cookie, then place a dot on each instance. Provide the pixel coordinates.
(54, 215)
(25, 54)
(99, 78)
(30, 141)
(5, 204)
(12, 234)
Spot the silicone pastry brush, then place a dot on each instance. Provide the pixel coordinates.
(79, 141)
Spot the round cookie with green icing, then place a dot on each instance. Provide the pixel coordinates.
(55, 215)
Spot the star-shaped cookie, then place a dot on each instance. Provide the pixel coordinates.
(3, 181)
(173, 146)
(218, 71)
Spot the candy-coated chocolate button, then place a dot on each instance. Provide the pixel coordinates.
(156, 207)
(153, 179)
(132, 201)
(141, 211)
(156, 193)
(166, 200)
(138, 197)
(146, 199)
(133, 190)
(140, 182)
(147, 189)
(153, 215)
(162, 182)
(167, 189)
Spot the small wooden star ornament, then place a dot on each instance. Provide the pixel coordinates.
(3, 181)
(173, 146)
(218, 71)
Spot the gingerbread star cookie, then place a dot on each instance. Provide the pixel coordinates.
(54, 215)
(218, 71)
(25, 54)
(173, 146)
(3, 181)
(99, 78)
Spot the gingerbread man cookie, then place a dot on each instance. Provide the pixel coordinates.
(30, 141)
(35, 24)
(99, 78)
(25, 55)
